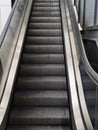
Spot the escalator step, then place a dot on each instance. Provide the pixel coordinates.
(50, 4)
(38, 128)
(41, 98)
(44, 83)
(45, 25)
(43, 58)
(43, 49)
(44, 32)
(46, 1)
(45, 19)
(44, 40)
(46, 14)
(40, 116)
(42, 70)
(46, 9)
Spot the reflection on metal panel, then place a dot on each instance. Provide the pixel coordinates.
(96, 12)
(89, 12)
(0, 21)
(81, 12)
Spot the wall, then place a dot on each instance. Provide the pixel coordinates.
(5, 8)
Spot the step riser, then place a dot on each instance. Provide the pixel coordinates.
(38, 128)
(44, 33)
(46, 4)
(42, 84)
(42, 70)
(44, 40)
(47, 9)
(41, 102)
(42, 49)
(46, 121)
(45, 19)
(45, 59)
(45, 25)
(45, 1)
(45, 14)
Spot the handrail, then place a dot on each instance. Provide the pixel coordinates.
(3, 33)
(9, 42)
(77, 120)
(82, 55)
(14, 37)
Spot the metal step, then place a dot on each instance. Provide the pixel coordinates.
(38, 128)
(44, 40)
(44, 32)
(46, 9)
(47, 25)
(42, 83)
(43, 58)
(49, 4)
(41, 98)
(45, 19)
(40, 116)
(46, 1)
(42, 70)
(43, 49)
(45, 14)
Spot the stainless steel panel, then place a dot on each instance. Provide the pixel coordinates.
(81, 12)
(89, 12)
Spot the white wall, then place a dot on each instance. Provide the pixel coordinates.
(5, 8)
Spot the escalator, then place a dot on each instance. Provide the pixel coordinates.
(41, 98)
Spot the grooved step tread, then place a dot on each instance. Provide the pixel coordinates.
(47, 25)
(44, 32)
(54, 4)
(43, 49)
(45, 83)
(43, 58)
(44, 40)
(42, 69)
(40, 116)
(41, 98)
(45, 14)
(46, 9)
(45, 19)
(46, 1)
(38, 128)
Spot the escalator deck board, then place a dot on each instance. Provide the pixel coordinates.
(40, 101)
